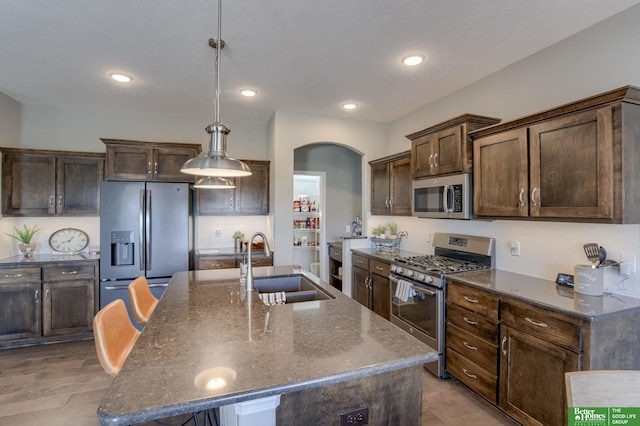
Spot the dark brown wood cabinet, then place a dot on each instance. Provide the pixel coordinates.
(250, 197)
(230, 261)
(148, 161)
(68, 305)
(54, 301)
(472, 339)
(575, 162)
(391, 185)
(20, 295)
(370, 282)
(45, 183)
(446, 147)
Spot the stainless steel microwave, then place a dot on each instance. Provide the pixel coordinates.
(447, 197)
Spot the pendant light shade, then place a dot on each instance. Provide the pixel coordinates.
(216, 162)
(214, 182)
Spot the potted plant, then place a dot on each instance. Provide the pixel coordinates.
(237, 238)
(379, 231)
(24, 236)
(393, 230)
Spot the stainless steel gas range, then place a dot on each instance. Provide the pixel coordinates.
(418, 287)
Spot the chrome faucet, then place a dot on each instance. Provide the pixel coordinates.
(267, 252)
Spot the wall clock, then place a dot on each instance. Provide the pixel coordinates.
(69, 240)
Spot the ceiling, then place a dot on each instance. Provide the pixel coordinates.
(306, 56)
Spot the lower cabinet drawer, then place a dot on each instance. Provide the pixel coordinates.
(481, 352)
(68, 272)
(476, 378)
(216, 263)
(19, 275)
(473, 322)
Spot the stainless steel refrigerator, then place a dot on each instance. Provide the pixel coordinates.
(144, 230)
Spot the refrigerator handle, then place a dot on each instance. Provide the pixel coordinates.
(149, 233)
(141, 231)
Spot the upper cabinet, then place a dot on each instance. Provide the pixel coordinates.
(391, 185)
(45, 183)
(575, 162)
(250, 197)
(148, 161)
(446, 147)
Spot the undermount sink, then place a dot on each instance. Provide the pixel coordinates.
(297, 288)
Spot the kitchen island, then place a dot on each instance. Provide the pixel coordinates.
(210, 343)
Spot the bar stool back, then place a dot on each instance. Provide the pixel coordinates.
(143, 302)
(114, 335)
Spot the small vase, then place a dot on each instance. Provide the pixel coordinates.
(237, 244)
(27, 249)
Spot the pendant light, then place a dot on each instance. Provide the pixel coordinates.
(217, 163)
(214, 182)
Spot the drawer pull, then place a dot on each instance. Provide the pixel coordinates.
(379, 268)
(473, 376)
(12, 275)
(69, 273)
(468, 346)
(539, 324)
(504, 340)
(468, 299)
(468, 321)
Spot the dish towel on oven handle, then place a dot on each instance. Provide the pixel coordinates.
(405, 290)
(277, 298)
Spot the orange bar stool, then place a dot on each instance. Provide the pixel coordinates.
(143, 302)
(114, 336)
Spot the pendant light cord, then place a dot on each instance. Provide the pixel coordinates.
(216, 115)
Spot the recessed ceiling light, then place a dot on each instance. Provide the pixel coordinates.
(119, 77)
(413, 60)
(350, 105)
(249, 93)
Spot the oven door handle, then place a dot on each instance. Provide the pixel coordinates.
(422, 290)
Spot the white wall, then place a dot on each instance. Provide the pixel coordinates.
(288, 131)
(596, 60)
(59, 128)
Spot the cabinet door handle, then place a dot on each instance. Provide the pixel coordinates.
(468, 321)
(59, 200)
(435, 159)
(468, 299)
(69, 272)
(431, 160)
(539, 324)
(386, 202)
(37, 294)
(504, 340)
(46, 295)
(533, 196)
(468, 346)
(51, 201)
(390, 202)
(521, 197)
(155, 167)
(473, 376)
(149, 167)
(12, 275)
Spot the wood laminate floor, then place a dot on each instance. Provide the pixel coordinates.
(62, 385)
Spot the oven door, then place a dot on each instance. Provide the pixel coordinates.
(422, 313)
(423, 317)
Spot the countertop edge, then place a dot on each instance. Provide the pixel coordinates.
(204, 404)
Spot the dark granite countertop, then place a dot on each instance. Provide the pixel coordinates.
(207, 324)
(548, 294)
(37, 259)
(385, 257)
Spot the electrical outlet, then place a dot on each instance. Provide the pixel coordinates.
(218, 232)
(627, 264)
(347, 229)
(355, 417)
(428, 237)
(515, 248)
